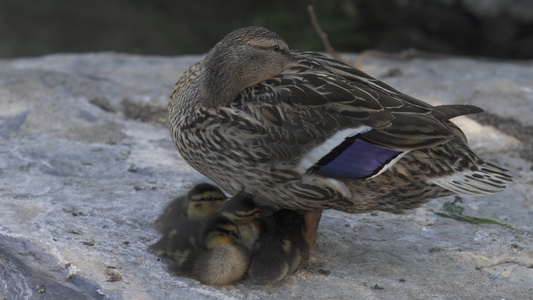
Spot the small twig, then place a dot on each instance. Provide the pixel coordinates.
(324, 37)
(473, 220)
(404, 55)
(454, 211)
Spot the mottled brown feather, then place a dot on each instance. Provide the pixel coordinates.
(255, 140)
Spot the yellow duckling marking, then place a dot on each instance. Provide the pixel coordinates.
(180, 255)
(286, 246)
(242, 210)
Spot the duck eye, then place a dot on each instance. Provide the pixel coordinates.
(276, 48)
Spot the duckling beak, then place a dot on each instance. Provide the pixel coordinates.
(311, 219)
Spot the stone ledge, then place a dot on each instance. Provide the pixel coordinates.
(87, 165)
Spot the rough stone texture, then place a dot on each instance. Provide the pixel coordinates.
(86, 166)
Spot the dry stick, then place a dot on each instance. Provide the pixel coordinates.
(407, 54)
(324, 36)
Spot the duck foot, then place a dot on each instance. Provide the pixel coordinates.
(311, 219)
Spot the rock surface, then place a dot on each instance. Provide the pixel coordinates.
(87, 164)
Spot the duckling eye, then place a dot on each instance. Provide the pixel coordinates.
(276, 48)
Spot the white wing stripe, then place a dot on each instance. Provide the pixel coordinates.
(317, 153)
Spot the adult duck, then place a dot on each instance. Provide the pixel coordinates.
(303, 131)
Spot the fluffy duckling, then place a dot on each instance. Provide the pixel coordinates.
(281, 248)
(242, 210)
(225, 260)
(201, 201)
(208, 250)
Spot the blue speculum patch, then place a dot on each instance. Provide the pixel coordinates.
(354, 159)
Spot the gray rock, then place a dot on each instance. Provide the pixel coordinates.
(86, 166)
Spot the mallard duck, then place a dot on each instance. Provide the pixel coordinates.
(281, 248)
(299, 130)
(208, 250)
(242, 210)
(201, 201)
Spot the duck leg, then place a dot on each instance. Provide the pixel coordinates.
(311, 219)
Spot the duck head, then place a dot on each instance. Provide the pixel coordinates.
(204, 200)
(240, 209)
(219, 231)
(241, 59)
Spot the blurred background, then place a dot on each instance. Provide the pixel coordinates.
(490, 28)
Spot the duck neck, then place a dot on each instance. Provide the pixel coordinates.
(220, 81)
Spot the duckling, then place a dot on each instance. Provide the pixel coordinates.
(242, 210)
(207, 250)
(179, 237)
(282, 247)
(226, 259)
(201, 201)
(303, 131)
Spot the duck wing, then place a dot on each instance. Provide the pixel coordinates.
(333, 119)
(353, 99)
